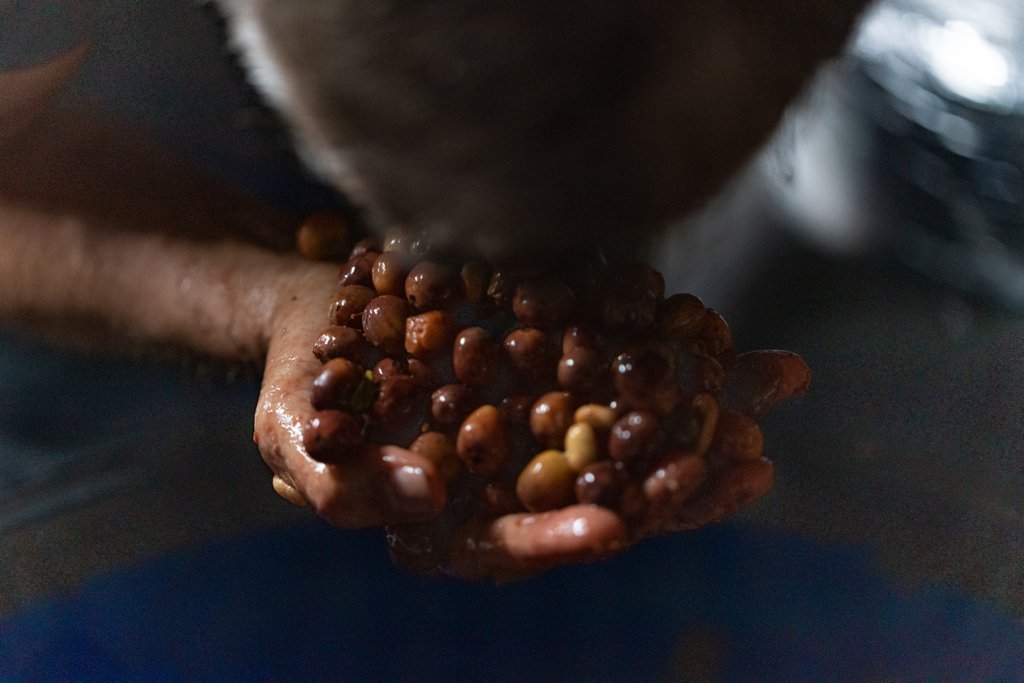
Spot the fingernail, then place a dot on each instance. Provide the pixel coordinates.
(411, 493)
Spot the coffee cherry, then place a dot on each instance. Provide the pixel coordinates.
(358, 270)
(428, 334)
(451, 403)
(323, 235)
(332, 435)
(635, 436)
(348, 305)
(482, 443)
(389, 273)
(550, 417)
(531, 354)
(546, 483)
(542, 303)
(430, 285)
(338, 342)
(384, 323)
(476, 359)
(337, 381)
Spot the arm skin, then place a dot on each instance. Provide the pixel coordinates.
(103, 230)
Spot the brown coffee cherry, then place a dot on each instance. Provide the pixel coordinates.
(364, 245)
(737, 437)
(439, 449)
(581, 370)
(398, 392)
(645, 377)
(476, 276)
(635, 436)
(430, 285)
(332, 435)
(482, 442)
(338, 342)
(577, 335)
(389, 273)
(680, 317)
(337, 381)
(384, 323)
(531, 355)
(323, 235)
(429, 334)
(698, 373)
(543, 303)
(546, 483)
(451, 403)
(348, 305)
(550, 417)
(761, 379)
(715, 339)
(358, 270)
(676, 477)
(600, 483)
(476, 358)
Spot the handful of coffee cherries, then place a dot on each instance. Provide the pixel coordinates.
(535, 390)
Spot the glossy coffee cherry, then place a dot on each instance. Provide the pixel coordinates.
(475, 276)
(600, 483)
(337, 381)
(531, 355)
(430, 285)
(645, 377)
(476, 358)
(399, 394)
(482, 442)
(451, 404)
(338, 342)
(737, 437)
(675, 478)
(635, 436)
(348, 305)
(579, 334)
(364, 245)
(550, 417)
(761, 379)
(543, 303)
(715, 339)
(680, 317)
(358, 270)
(429, 334)
(389, 273)
(384, 323)
(323, 235)
(332, 435)
(581, 370)
(546, 483)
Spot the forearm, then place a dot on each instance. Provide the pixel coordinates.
(216, 298)
(102, 230)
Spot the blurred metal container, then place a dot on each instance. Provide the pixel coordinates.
(914, 145)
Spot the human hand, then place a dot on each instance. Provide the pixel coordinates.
(694, 460)
(382, 485)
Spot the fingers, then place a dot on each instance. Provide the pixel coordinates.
(518, 545)
(375, 485)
